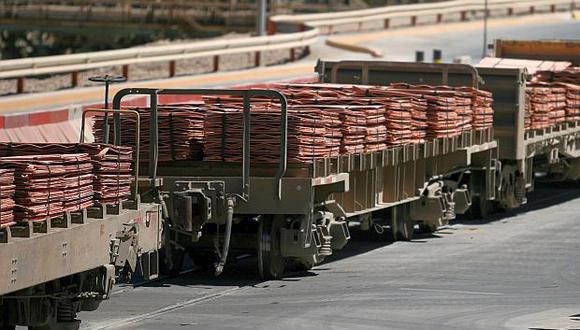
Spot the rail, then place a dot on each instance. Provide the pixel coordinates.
(304, 31)
(146, 54)
(385, 14)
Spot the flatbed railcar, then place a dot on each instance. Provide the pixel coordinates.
(54, 268)
(522, 154)
(295, 214)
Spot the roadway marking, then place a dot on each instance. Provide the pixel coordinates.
(454, 291)
(149, 315)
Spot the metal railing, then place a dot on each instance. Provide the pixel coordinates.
(461, 7)
(59, 64)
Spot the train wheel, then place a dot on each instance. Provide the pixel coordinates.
(480, 208)
(402, 226)
(205, 261)
(427, 228)
(271, 263)
(170, 260)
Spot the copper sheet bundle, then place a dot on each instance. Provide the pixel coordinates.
(545, 105)
(49, 185)
(443, 118)
(312, 134)
(570, 75)
(388, 114)
(7, 197)
(572, 102)
(112, 172)
(112, 165)
(180, 128)
(481, 105)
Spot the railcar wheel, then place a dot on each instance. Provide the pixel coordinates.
(205, 261)
(426, 228)
(170, 260)
(271, 263)
(480, 208)
(402, 226)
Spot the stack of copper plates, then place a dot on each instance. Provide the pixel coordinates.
(572, 102)
(112, 168)
(6, 197)
(481, 105)
(49, 185)
(570, 75)
(443, 118)
(384, 117)
(312, 133)
(112, 165)
(180, 128)
(545, 104)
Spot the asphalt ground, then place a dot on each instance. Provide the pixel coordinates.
(515, 270)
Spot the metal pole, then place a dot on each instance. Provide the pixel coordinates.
(485, 16)
(261, 18)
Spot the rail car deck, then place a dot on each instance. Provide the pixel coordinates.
(38, 252)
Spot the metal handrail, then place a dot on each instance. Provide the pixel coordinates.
(147, 54)
(106, 129)
(355, 16)
(246, 95)
(365, 67)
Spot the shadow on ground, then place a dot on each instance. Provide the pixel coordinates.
(242, 272)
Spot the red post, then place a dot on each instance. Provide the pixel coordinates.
(510, 11)
(171, 68)
(463, 16)
(302, 27)
(387, 23)
(413, 20)
(439, 18)
(292, 55)
(553, 8)
(257, 57)
(271, 28)
(126, 71)
(216, 63)
(532, 9)
(20, 85)
(74, 79)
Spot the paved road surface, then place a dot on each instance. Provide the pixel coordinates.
(518, 271)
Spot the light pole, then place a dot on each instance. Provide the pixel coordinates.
(261, 18)
(485, 16)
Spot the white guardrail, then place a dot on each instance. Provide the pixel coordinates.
(308, 28)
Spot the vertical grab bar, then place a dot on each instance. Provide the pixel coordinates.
(246, 94)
